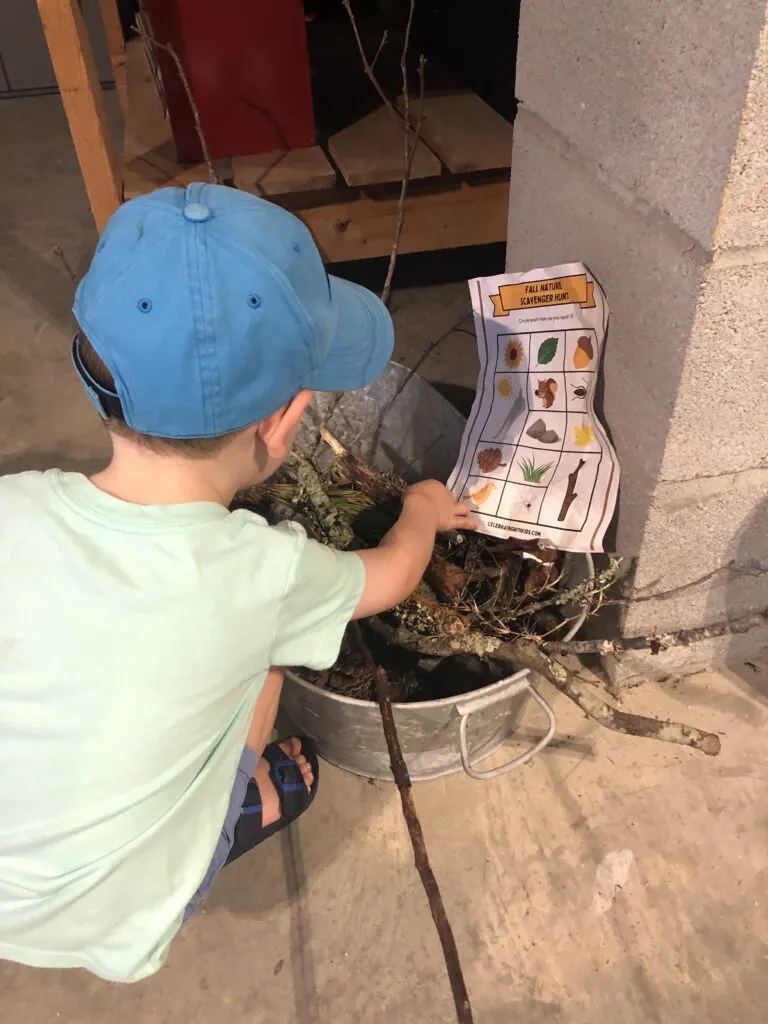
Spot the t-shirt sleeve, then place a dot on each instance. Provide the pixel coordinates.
(323, 591)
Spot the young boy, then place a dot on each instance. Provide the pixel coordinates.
(142, 624)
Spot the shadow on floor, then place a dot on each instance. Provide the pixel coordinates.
(42, 460)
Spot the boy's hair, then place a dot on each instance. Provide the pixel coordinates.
(191, 447)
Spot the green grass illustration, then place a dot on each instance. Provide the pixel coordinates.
(532, 473)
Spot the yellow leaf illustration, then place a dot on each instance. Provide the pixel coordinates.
(583, 435)
(504, 387)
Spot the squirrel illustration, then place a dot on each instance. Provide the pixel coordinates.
(546, 392)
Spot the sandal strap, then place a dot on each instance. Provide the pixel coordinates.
(287, 779)
(292, 791)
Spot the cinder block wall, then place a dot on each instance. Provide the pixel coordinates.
(641, 147)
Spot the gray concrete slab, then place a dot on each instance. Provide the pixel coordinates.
(653, 92)
(610, 879)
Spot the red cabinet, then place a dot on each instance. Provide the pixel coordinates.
(248, 68)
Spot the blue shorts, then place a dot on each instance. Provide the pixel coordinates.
(245, 770)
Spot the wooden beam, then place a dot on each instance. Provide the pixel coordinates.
(113, 31)
(75, 70)
(363, 227)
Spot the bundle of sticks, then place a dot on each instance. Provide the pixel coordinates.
(505, 603)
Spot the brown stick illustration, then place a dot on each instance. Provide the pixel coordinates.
(570, 492)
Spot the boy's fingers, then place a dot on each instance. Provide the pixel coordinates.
(463, 521)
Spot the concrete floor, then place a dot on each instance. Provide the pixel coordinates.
(609, 879)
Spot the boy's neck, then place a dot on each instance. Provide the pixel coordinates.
(146, 478)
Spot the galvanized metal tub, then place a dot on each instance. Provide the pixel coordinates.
(419, 435)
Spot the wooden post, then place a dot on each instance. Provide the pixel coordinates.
(113, 30)
(78, 82)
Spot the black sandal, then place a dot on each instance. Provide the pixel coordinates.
(292, 792)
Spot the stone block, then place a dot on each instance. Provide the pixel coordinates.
(687, 538)
(744, 214)
(561, 209)
(653, 92)
(720, 419)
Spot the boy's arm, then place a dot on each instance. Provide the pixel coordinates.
(393, 569)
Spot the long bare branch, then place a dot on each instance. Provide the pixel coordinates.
(416, 834)
(368, 66)
(732, 567)
(141, 27)
(411, 142)
(658, 642)
(529, 654)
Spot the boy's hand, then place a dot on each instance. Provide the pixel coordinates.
(449, 514)
(394, 568)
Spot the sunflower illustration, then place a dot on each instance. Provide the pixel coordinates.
(513, 354)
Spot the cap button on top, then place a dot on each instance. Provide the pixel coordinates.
(197, 212)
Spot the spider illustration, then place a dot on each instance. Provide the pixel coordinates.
(580, 390)
(522, 504)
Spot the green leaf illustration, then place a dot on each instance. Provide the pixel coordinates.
(547, 351)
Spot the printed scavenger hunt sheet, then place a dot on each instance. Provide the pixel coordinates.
(535, 461)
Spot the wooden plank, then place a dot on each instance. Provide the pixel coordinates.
(279, 173)
(149, 155)
(370, 151)
(464, 131)
(364, 227)
(113, 32)
(78, 81)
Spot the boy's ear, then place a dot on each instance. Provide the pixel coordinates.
(277, 431)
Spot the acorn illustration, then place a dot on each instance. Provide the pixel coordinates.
(584, 353)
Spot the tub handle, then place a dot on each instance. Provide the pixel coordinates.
(518, 684)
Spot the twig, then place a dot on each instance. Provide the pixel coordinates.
(658, 642)
(368, 65)
(58, 252)
(420, 855)
(663, 595)
(378, 419)
(410, 137)
(529, 654)
(580, 592)
(329, 523)
(141, 27)
(410, 145)
(382, 44)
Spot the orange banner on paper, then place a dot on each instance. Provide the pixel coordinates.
(556, 291)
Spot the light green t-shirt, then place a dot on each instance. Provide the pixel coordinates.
(134, 641)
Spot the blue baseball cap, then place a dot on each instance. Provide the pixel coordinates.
(212, 308)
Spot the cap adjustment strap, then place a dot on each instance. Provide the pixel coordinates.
(111, 406)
